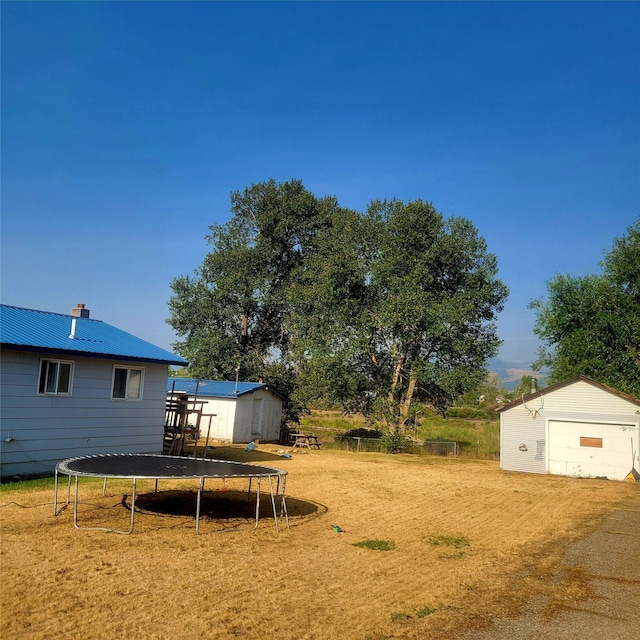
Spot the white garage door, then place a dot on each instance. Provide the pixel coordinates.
(591, 449)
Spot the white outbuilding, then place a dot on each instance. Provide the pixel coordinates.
(578, 428)
(231, 411)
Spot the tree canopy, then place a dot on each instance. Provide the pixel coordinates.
(591, 324)
(398, 306)
(371, 310)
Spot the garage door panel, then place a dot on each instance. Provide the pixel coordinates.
(574, 451)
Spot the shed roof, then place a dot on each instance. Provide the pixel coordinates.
(44, 331)
(214, 388)
(566, 383)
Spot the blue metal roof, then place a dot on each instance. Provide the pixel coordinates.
(31, 330)
(212, 388)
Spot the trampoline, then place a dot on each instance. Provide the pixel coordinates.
(138, 466)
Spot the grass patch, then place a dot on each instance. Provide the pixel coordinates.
(441, 540)
(376, 545)
(420, 613)
(476, 436)
(34, 484)
(400, 615)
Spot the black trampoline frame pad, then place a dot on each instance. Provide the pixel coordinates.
(139, 466)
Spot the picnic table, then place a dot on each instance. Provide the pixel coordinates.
(304, 440)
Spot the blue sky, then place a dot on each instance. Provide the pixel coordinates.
(126, 125)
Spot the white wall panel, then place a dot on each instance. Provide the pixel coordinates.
(550, 441)
(47, 429)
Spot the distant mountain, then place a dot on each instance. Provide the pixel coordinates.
(510, 373)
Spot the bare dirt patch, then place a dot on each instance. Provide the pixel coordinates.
(500, 540)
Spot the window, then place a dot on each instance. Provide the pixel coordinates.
(55, 378)
(127, 383)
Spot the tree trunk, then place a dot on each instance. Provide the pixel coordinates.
(397, 373)
(406, 404)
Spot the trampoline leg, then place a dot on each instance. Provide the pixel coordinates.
(75, 504)
(104, 487)
(200, 486)
(283, 502)
(133, 509)
(257, 504)
(75, 511)
(55, 495)
(57, 511)
(273, 503)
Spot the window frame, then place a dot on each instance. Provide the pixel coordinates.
(45, 368)
(127, 385)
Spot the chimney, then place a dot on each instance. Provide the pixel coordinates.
(79, 311)
(533, 385)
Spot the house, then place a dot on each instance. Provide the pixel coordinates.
(71, 386)
(231, 411)
(578, 428)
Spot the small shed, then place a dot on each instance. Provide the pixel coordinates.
(231, 411)
(72, 386)
(578, 428)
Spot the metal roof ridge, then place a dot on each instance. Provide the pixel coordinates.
(564, 383)
(49, 313)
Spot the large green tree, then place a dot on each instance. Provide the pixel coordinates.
(230, 316)
(591, 324)
(373, 311)
(396, 306)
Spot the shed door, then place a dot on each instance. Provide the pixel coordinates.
(591, 449)
(256, 418)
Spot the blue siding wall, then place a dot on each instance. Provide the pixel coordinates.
(47, 429)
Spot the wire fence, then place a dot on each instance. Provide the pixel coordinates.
(357, 444)
(441, 447)
(486, 446)
(332, 440)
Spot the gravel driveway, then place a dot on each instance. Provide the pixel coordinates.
(610, 556)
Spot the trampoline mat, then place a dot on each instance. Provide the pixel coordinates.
(159, 466)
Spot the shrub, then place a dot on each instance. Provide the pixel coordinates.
(395, 442)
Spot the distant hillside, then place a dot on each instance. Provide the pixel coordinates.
(510, 373)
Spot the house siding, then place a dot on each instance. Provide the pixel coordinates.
(220, 414)
(245, 429)
(525, 441)
(47, 429)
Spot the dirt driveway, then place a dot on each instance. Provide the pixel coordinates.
(608, 559)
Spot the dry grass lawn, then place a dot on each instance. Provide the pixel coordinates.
(469, 543)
